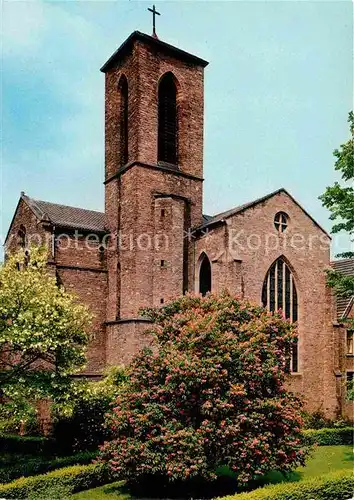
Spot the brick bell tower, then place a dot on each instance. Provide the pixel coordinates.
(153, 181)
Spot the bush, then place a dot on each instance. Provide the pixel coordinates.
(18, 416)
(213, 394)
(79, 423)
(333, 486)
(32, 466)
(26, 445)
(328, 437)
(58, 484)
(318, 420)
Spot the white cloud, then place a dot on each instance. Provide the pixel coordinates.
(24, 26)
(63, 51)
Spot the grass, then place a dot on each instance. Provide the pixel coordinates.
(328, 459)
(114, 491)
(323, 460)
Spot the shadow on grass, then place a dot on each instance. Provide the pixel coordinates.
(349, 456)
(120, 490)
(226, 484)
(159, 489)
(275, 477)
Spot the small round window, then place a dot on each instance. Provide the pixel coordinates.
(281, 221)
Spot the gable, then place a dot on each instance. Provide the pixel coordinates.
(223, 216)
(26, 217)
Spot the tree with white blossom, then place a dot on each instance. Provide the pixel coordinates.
(44, 330)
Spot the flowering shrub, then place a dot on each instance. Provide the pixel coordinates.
(211, 394)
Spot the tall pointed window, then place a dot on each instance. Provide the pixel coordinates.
(22, 238)
(204, 275)
(167, 127)
(279, 293)
(123, 121)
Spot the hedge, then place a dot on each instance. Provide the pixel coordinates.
(58, 484)
(26, 445)
(334, 486)
(33, 466)
(329, 437)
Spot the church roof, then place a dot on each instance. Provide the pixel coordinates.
(66, 216)
(220, 218)
(344, 304)
(164, 47)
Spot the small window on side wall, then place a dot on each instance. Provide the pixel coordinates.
(350, 342)
(350, 385)
(22, 240)
(281, 221)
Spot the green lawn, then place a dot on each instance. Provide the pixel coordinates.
(323, 460)
(328, 459)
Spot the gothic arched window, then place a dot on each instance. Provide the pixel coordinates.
(204, 275)
(167, 118)
(123, 121)
(22, 240)
(279, 293)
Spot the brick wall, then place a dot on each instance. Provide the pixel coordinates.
(149, 211)
(143, 68)
(246, 247)
(82, 269)
(125, 339)
(346, 364)
(135, 276)
(141, 189)
(79, 266)
(37, 232)
(90, 288)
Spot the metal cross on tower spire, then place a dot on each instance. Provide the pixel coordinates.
(154, 14)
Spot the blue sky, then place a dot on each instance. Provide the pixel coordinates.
(277, 94)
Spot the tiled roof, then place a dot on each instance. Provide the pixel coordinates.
(344, 304)
(206, 218)
(344, 266)
(67, 217)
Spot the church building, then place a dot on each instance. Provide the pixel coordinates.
(153, 243)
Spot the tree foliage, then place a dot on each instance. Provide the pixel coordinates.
(43, 329)
(212, 394)
(80, 416)
(339, 199)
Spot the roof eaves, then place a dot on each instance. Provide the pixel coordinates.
(82, 227)
(229, 213)
(123, 48)
(344, 266)
(208, 224)
(41, 216)
(348, 308)
(306, 212)
(38, 212)
(246, 206)
(138, 35)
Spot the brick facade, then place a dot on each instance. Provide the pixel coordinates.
(158, 236)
